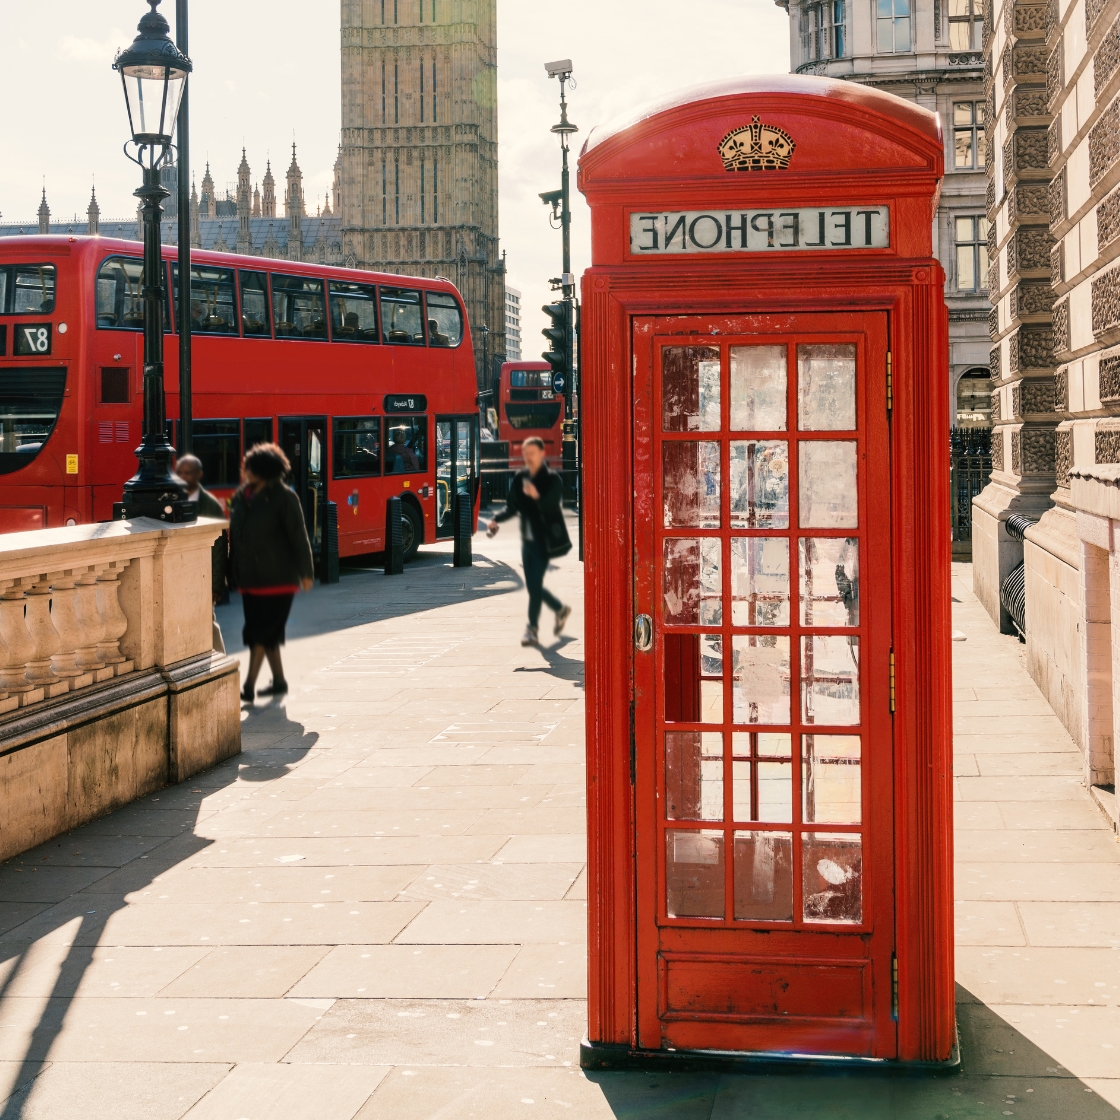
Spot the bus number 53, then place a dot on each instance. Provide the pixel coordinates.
(33, 339)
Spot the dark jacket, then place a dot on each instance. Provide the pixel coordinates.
(209, 506)
(542, 519)
(268, 545)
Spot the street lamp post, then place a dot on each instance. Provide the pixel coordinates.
(153, 72)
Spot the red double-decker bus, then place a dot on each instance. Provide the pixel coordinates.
(366, 380)
(527, 406)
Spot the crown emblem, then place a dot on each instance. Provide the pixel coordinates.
(756, 147)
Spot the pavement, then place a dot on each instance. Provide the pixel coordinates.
(378, 910)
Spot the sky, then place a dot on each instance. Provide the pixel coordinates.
(266, 73)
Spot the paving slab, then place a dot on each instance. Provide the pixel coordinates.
(255, 1091)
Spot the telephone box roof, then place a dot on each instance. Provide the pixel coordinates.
(833, 127)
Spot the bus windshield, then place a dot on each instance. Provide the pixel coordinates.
(30, 400)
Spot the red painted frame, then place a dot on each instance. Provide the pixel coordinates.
(854, 146)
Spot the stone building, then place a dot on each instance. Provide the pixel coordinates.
(513, 324)
(927, 51)
(1053, 73)
(418, 170)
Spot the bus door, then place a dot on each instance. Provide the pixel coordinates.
(304, 440)
(456, 467)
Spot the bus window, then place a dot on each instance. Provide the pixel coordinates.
(213, 305)
(407, 439)
(357, 446)
(32, 289)
(3, 291)
(445, 320)
(254, 304)
(217, 444)
(29, 403)
(297, 307)
(120, 300)
(401, 321)
(353, 312)
(521, 378)
(522, 416)
(258, 431)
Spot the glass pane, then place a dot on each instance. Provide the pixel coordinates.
(254, 304)
(694, 775)
(901, 32)
(758, 388)
(759, 484)
(353, 312)
(764, 876)
(959, 38)
(694, 873)
(962, 112)
(218, 444)
(982, 224)
(690, 389)
(884, 33)
(830, 679)
(33, 288)
(445, 320)
(966, 268)
(400, 317)
(357, 447)
(827, 485)
(829, 581)
(962, 142)
(120, 301)
(298, 307)
(760, 678)
(759, 581)
(983, 277)
(832, 877)
(883, 8)
(762, 791)
(693, 677)
(963, 229)
(690, 484)
(831, 788)
(826, 387)
(4, 291)
(691, 581)
(981, 148)
(407, 437)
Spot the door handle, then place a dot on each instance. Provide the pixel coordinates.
(643, 633)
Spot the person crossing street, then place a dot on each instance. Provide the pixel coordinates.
(535, 495)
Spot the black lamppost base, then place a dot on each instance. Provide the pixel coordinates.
(160, 507)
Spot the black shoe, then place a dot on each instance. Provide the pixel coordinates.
(277, 688)
(247, 694)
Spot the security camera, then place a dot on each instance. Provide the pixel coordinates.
(557, 69)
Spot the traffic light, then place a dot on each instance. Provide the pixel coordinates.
(559, 335)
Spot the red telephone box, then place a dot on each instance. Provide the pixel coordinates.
(769, 775)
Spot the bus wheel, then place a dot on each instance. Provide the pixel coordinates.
(412, 532)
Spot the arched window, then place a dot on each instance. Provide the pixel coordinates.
(974, 399)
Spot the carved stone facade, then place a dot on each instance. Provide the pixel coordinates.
(419, 156)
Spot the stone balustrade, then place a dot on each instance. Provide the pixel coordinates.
(109, 686)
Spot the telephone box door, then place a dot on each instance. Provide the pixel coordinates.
(762, 705)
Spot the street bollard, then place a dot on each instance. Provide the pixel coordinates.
(394, 543)
(464, 512)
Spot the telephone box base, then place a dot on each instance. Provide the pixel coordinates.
(618, 1056)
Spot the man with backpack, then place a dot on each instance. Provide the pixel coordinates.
(535, 495)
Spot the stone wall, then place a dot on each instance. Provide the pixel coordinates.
(109, 687)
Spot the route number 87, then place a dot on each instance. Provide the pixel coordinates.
(33, 339)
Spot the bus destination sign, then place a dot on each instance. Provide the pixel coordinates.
(31, 339)
(406, 402)
(759, 231)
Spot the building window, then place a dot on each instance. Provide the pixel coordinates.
(435, 111)
(892, 25)
(396, 94)
(966, 26)
(383, 118)
(421, 86)
(384, 193)
(397, 191)
(972, 253)
(435, 190)
(969, 145)
(823, 30)
(423, 193)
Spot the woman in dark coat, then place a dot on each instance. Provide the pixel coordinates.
(269, 559)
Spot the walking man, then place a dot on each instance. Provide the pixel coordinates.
(535, 496)
(189, 469)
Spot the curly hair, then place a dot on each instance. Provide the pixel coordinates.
(267, 461)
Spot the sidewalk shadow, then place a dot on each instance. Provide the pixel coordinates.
(1002, 1073)
(365, 594)
(82, 878)
(559, 666)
